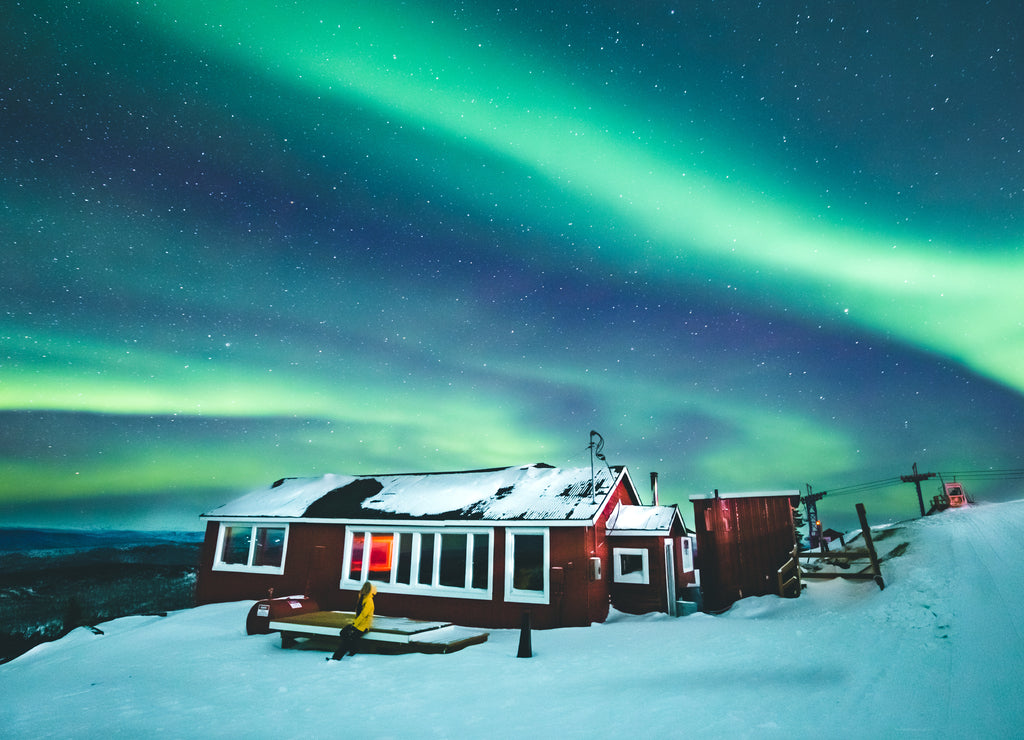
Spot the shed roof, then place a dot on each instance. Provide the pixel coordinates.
(650, 520)
(524, 492)
(750, 494)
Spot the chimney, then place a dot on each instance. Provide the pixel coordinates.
(654, 487)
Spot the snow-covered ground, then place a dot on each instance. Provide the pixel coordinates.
(938, 653)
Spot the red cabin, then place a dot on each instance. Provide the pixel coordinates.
(476, 548)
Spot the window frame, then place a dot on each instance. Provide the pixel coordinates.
(523, 596)
(247, 566)
(642, 577)
(420, 535)
(686, 551)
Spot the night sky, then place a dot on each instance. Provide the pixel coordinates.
(754, 245)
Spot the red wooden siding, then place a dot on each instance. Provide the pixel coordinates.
(312, 567)
(741, 543)
(314, 558)
(640, 598)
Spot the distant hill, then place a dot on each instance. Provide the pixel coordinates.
(23, 539)
(53, 580)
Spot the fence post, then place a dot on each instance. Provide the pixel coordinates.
(862, 515)
(525, 644)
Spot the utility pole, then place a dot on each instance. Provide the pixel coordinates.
(596, 450)
(916, 479)
(813, 522)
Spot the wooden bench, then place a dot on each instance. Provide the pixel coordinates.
(389, 635)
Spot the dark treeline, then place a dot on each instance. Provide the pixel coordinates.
(44, 594)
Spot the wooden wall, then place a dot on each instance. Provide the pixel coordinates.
(741, 543)
(313, 567)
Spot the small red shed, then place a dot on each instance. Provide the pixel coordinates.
(651, 559)
(477, 547)
(742, 541)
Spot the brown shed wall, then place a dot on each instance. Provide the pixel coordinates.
(741, 543)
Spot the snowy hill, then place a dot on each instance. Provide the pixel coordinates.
(939, 652)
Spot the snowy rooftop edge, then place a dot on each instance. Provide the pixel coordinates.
(746, 494)
(523, 492)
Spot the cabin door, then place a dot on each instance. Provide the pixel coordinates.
(670, 577)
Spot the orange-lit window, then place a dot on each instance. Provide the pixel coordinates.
(355, 568)
(380, 557)
(428, 561)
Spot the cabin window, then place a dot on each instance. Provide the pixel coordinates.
(686, 545)
(426, 559)
(355, 568)
(251, 548)
(448, 562)
(526, 566)
(452, 570)
(480, 559)
(403, 570)
(631, 565)
(381, 548)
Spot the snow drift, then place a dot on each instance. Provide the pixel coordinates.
(939, 651)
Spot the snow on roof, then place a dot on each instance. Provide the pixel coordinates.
(286, 498)
(524, 492)
(750, 494)
(645, 519)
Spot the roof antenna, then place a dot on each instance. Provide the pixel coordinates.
(596, 450)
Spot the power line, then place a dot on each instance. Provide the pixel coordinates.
(1008, 474)
(980, 475)
(863, 487)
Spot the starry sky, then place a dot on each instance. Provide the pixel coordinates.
(755, 245)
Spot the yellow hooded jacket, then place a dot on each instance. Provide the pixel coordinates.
(364, 619)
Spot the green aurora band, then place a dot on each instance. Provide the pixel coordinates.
(663, 214)
(942, 298)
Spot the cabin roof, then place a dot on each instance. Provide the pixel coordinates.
(524, 492)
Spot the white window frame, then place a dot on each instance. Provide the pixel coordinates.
(521, 596)
(686, 547)
(247, 567)
(643, 576)
(434, 588)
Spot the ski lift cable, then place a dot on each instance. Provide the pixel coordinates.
(863, 487)
(1008, 474)
(998, 474)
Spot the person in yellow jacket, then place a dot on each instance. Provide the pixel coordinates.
(351, 634)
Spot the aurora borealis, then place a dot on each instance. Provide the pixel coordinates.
(754, 245)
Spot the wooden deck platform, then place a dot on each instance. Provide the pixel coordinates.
(391, 635)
